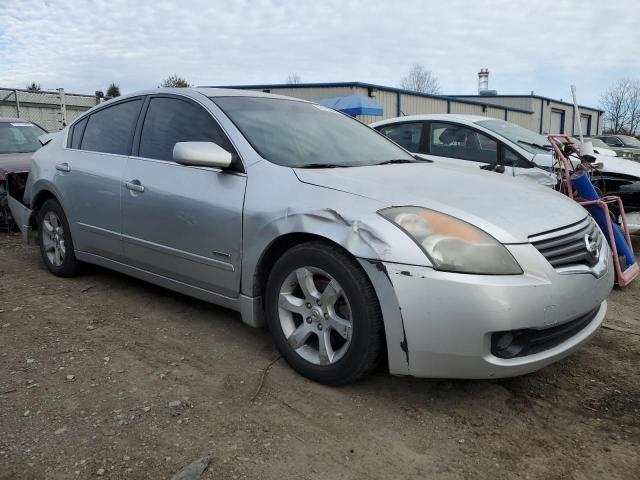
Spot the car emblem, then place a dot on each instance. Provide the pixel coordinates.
(591, 246)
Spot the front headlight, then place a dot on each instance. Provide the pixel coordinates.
(627, 155)
(451, 244)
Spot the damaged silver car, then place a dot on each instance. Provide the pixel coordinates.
(349, 248)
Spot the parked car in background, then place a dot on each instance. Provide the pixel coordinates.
(599, 147)
(18, 141)
(462, 140)
(351, 248)
(620, 144)
(470, 140)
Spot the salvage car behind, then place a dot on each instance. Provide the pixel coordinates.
(18, 141)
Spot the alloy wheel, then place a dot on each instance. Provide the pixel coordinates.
(315, 315)
(53, 239)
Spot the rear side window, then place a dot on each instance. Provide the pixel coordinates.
(110, 130)
(76, 133)
(407, 135)
(171, 120)
(456, 141)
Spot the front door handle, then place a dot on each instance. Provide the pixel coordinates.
(63, 167)
(135, 185)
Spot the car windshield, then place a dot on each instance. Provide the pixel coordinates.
(300, 134)
(596, 142)
(630, 141)
(19, 137)
(530, 141)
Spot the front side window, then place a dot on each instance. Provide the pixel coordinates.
(300, 134)
(407, 135)
(171, 120)
(456, 141)
(19, 137)
(110, 130)
(511, 158)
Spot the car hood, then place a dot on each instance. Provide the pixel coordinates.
(15, 163)
(509, 209)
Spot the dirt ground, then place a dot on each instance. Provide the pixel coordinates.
(90, 368)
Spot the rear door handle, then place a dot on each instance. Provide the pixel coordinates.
(135, 185)
(63, 167)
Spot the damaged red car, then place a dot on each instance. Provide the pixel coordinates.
(18, 141)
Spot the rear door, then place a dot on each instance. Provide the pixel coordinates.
(183, 222)
(89, 177)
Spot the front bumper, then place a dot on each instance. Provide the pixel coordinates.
(449, 318)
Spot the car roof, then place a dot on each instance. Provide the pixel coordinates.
(207, 92)
(13, 120)
(435, 116)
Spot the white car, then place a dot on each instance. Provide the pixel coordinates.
(474, 141)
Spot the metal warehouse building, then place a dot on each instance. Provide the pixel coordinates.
(540, 114)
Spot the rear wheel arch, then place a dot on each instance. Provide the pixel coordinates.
(40, 198)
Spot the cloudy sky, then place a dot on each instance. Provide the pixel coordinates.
(540, 45)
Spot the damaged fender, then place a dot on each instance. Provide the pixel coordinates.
(345, 219)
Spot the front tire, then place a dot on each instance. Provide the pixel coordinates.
(323, 314)
(54, 238)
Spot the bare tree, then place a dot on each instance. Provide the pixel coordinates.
(174, 81)
(294, 79)
(419, 79)
(621, 105)
(34, 87)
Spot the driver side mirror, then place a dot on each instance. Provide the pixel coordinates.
(201, 154)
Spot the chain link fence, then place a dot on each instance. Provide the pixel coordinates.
(51, 110)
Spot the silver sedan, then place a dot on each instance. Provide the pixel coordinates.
(349, 248)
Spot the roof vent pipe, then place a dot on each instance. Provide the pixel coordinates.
(483, 80)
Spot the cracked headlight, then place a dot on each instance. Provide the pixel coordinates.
(451, 244)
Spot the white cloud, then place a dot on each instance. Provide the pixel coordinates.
(542, 45)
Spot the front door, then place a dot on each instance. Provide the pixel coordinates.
(183, 222)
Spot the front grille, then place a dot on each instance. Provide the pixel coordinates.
(577, 244)
(530, 341)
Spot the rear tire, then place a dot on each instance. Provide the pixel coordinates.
(323, 314)
(54, 238)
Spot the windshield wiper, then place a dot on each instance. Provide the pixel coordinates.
(397, 160)
(323, 165)
(535, 145)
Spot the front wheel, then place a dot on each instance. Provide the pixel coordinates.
(324, 314)
(54, 237)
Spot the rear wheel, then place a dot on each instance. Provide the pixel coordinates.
(54, 237)
(324, 314)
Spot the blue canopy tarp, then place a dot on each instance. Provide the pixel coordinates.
(353, 105)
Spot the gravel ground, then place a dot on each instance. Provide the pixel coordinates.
(104, 376)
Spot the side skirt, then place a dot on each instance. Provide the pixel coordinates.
(250, 308)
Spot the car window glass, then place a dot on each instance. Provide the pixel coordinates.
(406, 135)
(19, 137)
(511, 158)
(110, 130)
(456, 141)
(171, 120)
(76, 133)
